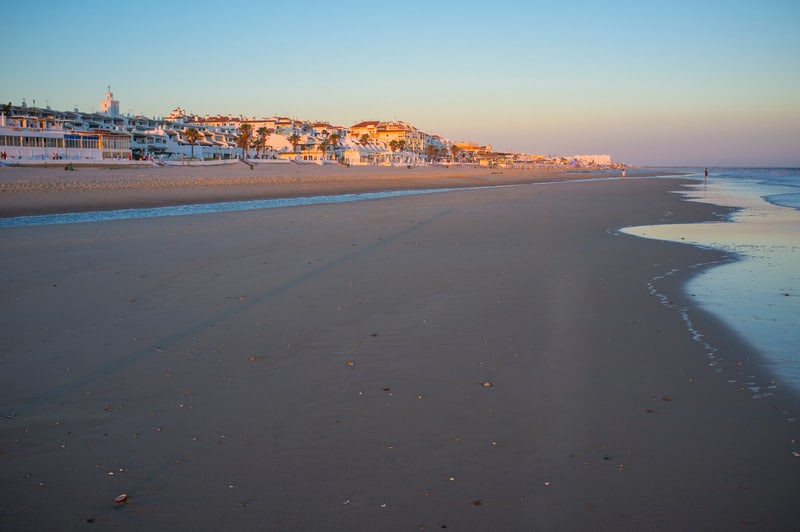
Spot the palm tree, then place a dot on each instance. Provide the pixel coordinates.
(243, 140)
(393, 145)
(294, 140)
(192, 136)
(323, 147)
(454, 150)
(401, 145)
(334, 140)
(364, 139)
(263, 135)
(431, 152)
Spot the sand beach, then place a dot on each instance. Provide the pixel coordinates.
(44, 190)
(487, 359)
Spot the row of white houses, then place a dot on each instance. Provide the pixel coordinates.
(29, 135)
(45, 136)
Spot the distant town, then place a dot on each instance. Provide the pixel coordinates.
(36, 135)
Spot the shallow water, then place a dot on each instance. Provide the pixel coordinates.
(758, 294)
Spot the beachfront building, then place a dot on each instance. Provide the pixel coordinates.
(279, 131)
(591, 160)
(473, 153)
(34, 134)
(325, 129)
(363, 131)
(437, 148)
(387, 143)
(409, 145)
(402, 134)
(37, 134)
(375, 153)
(43, 135)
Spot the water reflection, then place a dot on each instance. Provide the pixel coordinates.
(759, 294)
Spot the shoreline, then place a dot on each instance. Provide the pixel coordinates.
(759, 238)
(34, 191)
(326, 367)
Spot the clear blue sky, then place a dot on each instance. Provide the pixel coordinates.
(699, 82)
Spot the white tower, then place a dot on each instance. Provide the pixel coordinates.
(109, 106)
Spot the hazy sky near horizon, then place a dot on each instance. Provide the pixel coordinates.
(698, 82)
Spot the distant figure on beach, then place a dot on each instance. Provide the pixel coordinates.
(623, 173)
(706, 173)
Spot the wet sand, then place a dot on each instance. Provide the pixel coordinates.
(474, 360)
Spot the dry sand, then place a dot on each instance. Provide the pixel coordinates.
(38, 190)
(323, 368)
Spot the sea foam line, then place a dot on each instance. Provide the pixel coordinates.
(758, 391)
(218, 207)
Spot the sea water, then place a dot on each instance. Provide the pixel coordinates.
(757, 292)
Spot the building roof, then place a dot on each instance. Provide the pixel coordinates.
(368, 123)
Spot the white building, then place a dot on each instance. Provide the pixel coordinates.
(592, 160)
(109, 106)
